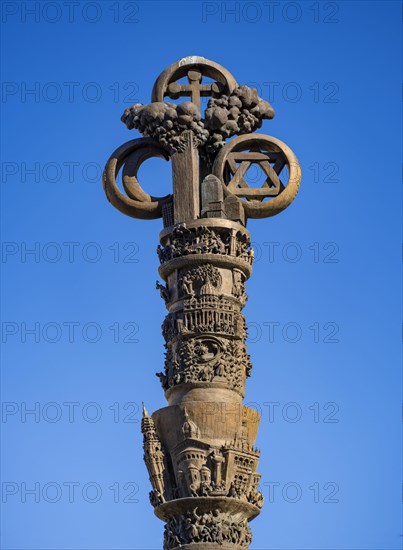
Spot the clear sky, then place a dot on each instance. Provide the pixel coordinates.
(81, 316)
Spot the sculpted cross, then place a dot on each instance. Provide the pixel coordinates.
(200, 449)
(194, 89)
(194, 68)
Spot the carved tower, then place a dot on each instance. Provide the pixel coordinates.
(199, 450)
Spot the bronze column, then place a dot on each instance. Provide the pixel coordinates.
(200, 449)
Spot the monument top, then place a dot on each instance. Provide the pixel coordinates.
(209, 163)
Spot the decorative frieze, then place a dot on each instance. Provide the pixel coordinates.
(213, 527)
(207, 314)
(206, 359)
(202, 239)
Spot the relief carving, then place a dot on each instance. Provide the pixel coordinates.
(238, 286)
(207, 314)
(207, 360)
(205, 240)
(214, 527)
(205, 471)
(199, 281)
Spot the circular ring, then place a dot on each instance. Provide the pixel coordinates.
(138, 203)
(180, 69)
(257, 148)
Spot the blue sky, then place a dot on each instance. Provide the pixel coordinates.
(81, 316)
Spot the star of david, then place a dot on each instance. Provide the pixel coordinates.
(238, 163)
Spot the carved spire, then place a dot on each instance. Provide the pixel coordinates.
(154, 458)
(189, 428)
(147, 424)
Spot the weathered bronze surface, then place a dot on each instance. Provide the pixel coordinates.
(199, 450)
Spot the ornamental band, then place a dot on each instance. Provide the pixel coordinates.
(200, 449)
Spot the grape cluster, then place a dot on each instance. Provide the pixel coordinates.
(167, 122)
(242, 112)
